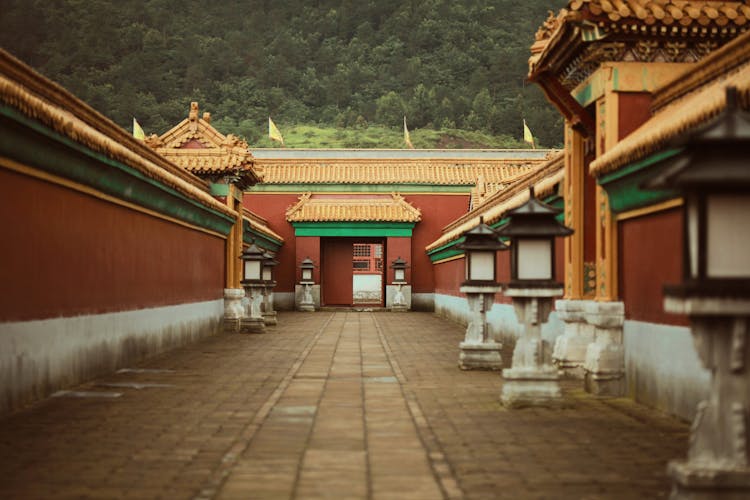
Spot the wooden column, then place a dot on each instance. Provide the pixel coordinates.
(574, 193)
(606, 224)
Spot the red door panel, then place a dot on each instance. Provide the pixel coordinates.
(336, 272)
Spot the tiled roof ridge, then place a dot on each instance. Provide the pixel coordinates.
(397, 172)
(56, 96)
(500, 202)
(370, 208)
(716, 64)
(667, 11)
(92, 129)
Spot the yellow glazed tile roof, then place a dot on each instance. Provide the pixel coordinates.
(260, 224)
(393, 208)
(425, 172)
(201, 149)
(695, 106)
(544, 180)
(683, 12)
(47, 102)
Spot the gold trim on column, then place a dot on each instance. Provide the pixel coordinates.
(573, 195)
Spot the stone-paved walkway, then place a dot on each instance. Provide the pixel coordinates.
(330, 405)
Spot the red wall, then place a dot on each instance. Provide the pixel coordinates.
(307, 246)
(65, 253)
(650, 257)
(437, 212)
(272, 207)
(635, 109)
(396, 247)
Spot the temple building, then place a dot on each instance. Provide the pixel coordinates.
(121, 248)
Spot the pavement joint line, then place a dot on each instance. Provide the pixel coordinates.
(366, 439)
(229, 460)
(301, 462)
(436, 458)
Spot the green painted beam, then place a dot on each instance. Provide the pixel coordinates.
(31, 143)
(623, 186)
(355, 229)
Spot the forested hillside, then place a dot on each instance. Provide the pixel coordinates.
(445, 64)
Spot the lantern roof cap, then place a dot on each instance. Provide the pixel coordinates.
(534, 218)
(398, 263)
(482, 237)
(307, 263)
(253, 252)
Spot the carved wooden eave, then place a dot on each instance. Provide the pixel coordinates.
(574, 43)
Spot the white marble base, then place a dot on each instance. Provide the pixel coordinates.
(706, 483)
(252, 325)
(480, 356)
(531, 387)
(270, 318)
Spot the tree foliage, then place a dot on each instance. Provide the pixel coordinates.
(442, 63)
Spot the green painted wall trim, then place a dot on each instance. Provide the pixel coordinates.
(219, 189)
(624, 185)
(445, 254)
(250, 235)
(355, 229)
(359, 188)
(30, 142)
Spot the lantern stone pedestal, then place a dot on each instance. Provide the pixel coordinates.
(233, 309)
(253, 320)
(718, 463)
(605, 357)
(306, 304)
(532, 380)
(270, 318)
(398, 302)
(478, 351)
(570, 348)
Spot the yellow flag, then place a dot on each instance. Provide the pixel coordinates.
(527, 135)
(138, 132)
(273, 132)
(407, 139)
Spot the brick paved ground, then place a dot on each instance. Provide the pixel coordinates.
(332, 405)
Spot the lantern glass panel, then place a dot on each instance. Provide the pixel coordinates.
(481, 266)
(252, 269)
(398, 274)
(534, 259)
(728, 236)
(307, 275)
(266, 273)
(693, 215)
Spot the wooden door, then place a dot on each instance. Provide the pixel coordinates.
(336, 272)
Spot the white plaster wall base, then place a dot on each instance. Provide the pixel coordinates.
(423, 302)
(662, 368)
(42, 356)
(283, 301)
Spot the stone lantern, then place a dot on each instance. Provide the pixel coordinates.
(252, 280)
(306, 271)
(712, 172)
(399, 303)
(267, 311)
(478, 350)
(532, 229)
